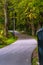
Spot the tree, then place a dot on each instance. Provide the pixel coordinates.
(7, 10)
(28, 15)
(6, 17)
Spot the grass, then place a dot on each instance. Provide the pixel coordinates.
(35, 57)
(11, 40)
(8, 40)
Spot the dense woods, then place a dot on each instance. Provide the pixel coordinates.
(22, 15)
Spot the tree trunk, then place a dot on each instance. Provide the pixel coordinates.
(32, 25)
(6, 20)
(39, 26)
(14, 27)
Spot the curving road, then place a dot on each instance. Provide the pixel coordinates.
(18, 53)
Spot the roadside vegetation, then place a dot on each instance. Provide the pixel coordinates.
(6, 41)
(35, 58)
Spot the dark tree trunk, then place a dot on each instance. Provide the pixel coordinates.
(32, 26)
(39, 26)
(6, 19)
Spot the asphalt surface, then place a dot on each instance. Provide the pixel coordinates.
(18, 53)
(21, 36)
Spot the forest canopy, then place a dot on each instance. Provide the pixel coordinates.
(26, 15)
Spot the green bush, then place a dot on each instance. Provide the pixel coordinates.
(6, 41)
(2, 40)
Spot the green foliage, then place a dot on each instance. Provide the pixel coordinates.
(2, 38)
(27, 12)
(35, 58)
(26, 15)
(3, 41)
(6, 41)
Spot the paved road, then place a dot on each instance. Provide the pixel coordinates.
(21, 36)
(18, 53)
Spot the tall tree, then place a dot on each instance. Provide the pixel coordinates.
(6, 18)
